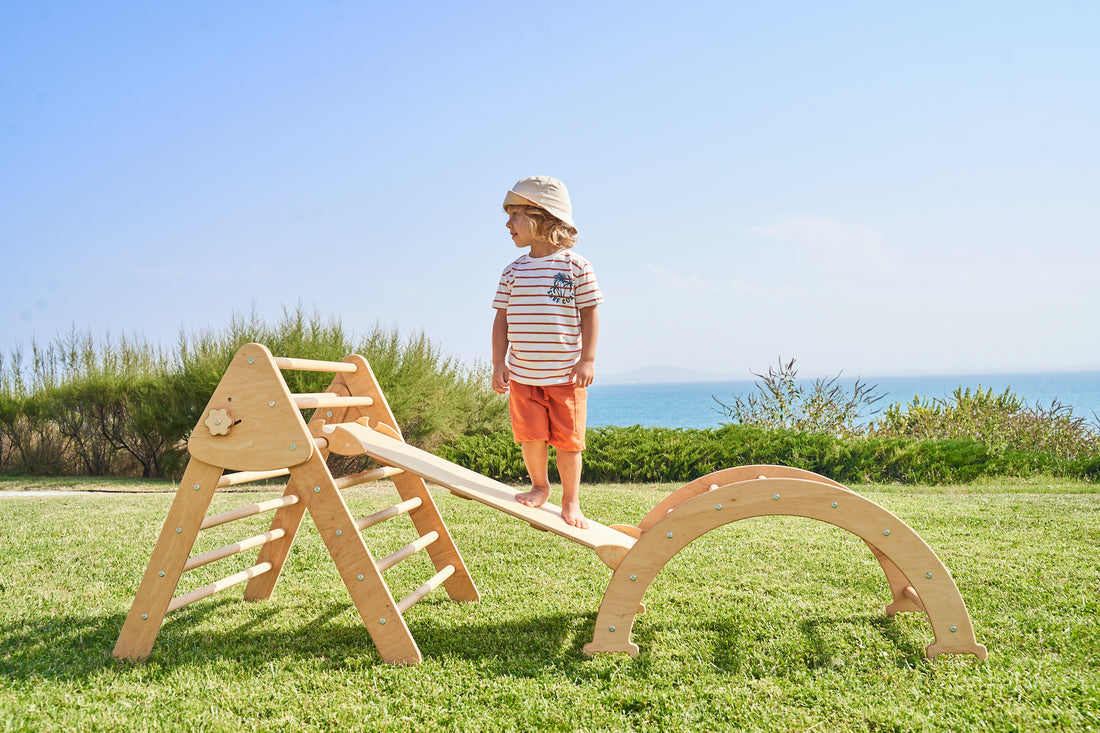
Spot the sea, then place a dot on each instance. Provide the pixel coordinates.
(696, 404)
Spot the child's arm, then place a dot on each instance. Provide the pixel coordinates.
(500, 351)
(585, 370)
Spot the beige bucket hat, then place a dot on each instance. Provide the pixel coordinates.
(544, 192)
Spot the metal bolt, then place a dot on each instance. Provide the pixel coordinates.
(217, 422)
(717, 506)
(382, 621)
(144, 617)
(271, 404)
(316, 489)
(328, 414)
(196, 487)
(776, 497)
(161, 573)
(886, 532)
(611, 628)
(633, 577)
(251, 361)
(339, 532)
(179, 530)
(834, 505)
(669, 535)
(928, 575)
(360, 577)
(294, 446)
(954, 629)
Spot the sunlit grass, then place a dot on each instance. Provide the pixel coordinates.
(767, 624)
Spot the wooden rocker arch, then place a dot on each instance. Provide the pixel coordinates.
(918, 580)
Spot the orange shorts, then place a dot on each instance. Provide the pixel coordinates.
(555, 414)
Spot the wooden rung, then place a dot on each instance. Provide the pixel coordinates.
(209, 590)
(329, 399)
(251, 510)
(388, 513)
(436, 580)
(407, 551)
(313, 365)
(364, 476)
(911, 593)
(229, 550)
(244, 477)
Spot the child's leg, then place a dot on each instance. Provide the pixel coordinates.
(569, 468)
(535, 457)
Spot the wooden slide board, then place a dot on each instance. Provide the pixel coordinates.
(355, 439)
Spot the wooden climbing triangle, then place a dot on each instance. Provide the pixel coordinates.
(253, 429)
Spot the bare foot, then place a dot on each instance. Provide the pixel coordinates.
(572, 515)
(536, 497)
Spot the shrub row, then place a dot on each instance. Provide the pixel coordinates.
(83, 407)
(638, 455)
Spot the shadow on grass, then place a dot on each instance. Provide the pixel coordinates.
(78, 647)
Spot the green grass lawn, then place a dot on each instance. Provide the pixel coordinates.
(765, 624)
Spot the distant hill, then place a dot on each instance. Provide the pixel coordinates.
(665, 374)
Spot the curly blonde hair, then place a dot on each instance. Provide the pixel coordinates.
(548, 227)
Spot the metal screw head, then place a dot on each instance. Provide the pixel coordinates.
(954, 629)
(928, 575)
(382, 621)
(271, 404)
(834, 505)
(251, 361)
(328, 414)
(179, 530)
(669, 535)
(316, 489)
(339, 532)
(144, 617)
(294, 446)
(360, 577)
(161, 573)
(633, 577)
(717, 506)
(776, 497)
(611, 628)
(886, 532)
(196, 487)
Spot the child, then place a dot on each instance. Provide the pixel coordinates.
(544, 339)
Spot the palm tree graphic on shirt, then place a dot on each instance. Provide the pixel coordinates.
(562, 289)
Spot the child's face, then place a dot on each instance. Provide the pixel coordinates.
(520, 226)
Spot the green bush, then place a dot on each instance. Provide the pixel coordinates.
(650, 455)
(79, 406)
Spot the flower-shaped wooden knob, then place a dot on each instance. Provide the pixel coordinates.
(219, 422)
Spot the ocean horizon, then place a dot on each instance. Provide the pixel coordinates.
(687, 404)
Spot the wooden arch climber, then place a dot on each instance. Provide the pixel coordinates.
(253, 429)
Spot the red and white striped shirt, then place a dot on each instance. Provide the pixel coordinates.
(543, 297)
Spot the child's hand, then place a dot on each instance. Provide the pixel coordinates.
(500, 379)
(584, 373)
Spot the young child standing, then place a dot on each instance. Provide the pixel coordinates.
(544, 339)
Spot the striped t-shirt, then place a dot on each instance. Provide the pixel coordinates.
(543, 297)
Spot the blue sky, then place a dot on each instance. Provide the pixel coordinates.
(878, 188)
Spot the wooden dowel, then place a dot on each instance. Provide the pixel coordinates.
(363, 477)
(313, 365)
(229, 550)
(388, 513)
(251, 510)
(407, 551)
(321, 443)
(911, 593)
(328, 399)
(244, 477)
(436, 580)
(209, 590)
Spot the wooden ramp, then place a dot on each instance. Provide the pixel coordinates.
(610, 544)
